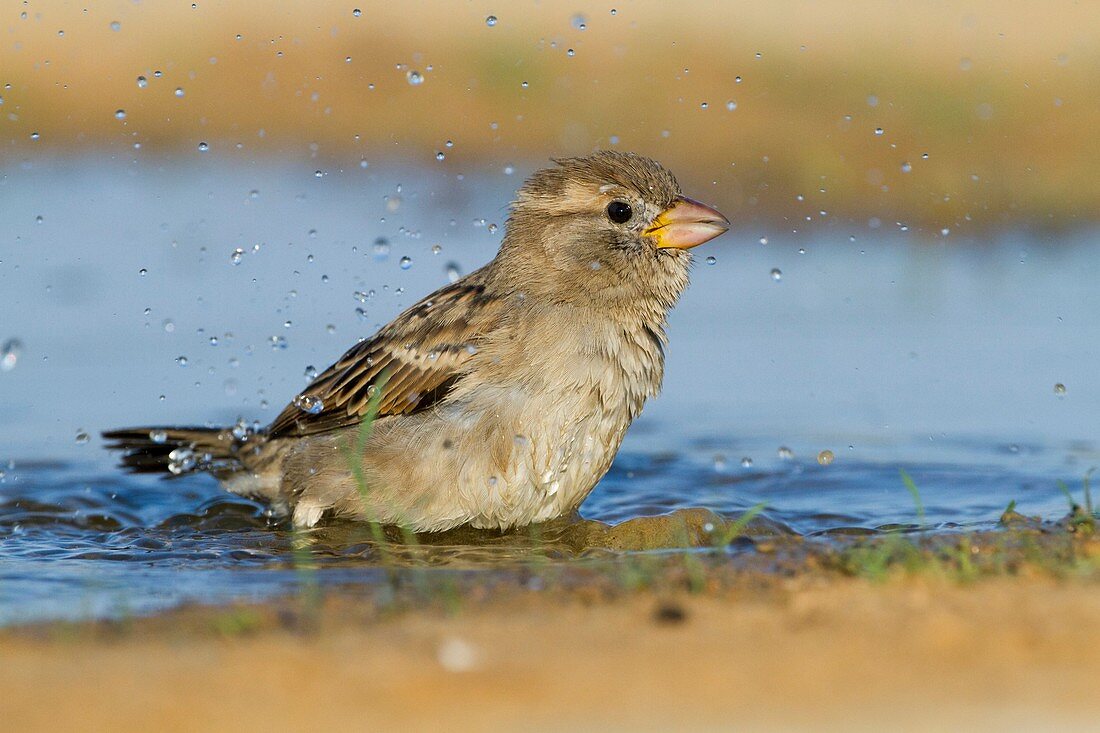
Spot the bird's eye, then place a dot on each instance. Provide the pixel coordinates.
(619, 212)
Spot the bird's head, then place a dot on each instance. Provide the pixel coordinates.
(612, 224)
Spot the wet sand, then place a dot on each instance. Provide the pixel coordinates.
(812, 650)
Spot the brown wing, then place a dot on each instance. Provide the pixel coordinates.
(415, 361)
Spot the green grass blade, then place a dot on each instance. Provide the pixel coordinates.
(915, 493)
(737, 527)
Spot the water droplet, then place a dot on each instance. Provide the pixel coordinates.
(181, 360)
(731, 105)
(278, 343)
(310, 373)
(785, 453)
(406, 262)
(38, 219)
(115, 25)
(825, 457)
(143, 272)
(491, 21)
(179, 91)
(579, 22)
(777, 274)
(356, 12)
(309, 404)
(81, 437)
(203, 147)
(712, 260)
(318, 174)
(236, 256)
(181, 460)
(158, 436)
(240, 431)
(746, 462)
(736, 80)
(381, 248)
(453, 271)
(120, 114)
(906, 167)
(415, 78)
(142, 82)
(879, 131)
(9, 354)
(439, 155)
(1060, 389)
(763, 240)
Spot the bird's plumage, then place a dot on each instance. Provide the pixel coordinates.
(415, 361)
(498, 400)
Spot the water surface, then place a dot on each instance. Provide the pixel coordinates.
(892, 349)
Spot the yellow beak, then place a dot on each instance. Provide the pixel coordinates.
(686, 224)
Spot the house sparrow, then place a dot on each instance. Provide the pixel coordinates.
(498, 400)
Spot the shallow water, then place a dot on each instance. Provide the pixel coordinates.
(894, 351)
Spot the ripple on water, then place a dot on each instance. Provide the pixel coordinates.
(84, 540)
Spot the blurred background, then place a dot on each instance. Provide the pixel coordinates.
(958, 116)
(203, 203)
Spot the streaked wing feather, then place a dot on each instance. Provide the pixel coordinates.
(415, 361)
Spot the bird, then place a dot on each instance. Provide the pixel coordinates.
(497, 401)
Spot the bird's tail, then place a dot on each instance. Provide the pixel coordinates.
(177, 451)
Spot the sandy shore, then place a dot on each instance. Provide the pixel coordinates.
(806, 652)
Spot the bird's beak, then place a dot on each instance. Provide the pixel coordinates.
(687, 224)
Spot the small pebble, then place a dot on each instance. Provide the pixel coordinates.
(669, 613)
